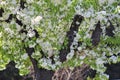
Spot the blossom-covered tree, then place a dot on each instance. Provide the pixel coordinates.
(53, 34)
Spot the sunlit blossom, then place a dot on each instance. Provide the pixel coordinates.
(24, 56)
(70, 55)
(0, 34)
(31, 33)
(113, 58)
(3, 2)
(99, 61)
(102, 1)
(82, 57)
(36, 20)
(56, 2)
(111, 1)
(79, 48)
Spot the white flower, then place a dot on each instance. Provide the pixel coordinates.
(44, 35)
(8, 30)
(118, 8)
(39, 41)
(113, 58)
(18, 27)
(82, 57)
(58, 63)
(81, 62)
(77, 22)
(99, 61)
(107, 76)
(103, 12)
(77, 35)
(100, 17)
(13, 2)
(46, 63)
(43, 62)
(29, 1)
(79, 48)
(56, 2)
(91, 24)
(69, 1)
(53, 66)
(88, 35)
(102, 1)
(0, 34)
(50, 52)
(36, 20)
(109, 49)
(70, 55)
(61, 39)
(3, 2)
(31, 33)
(47, 48)
(111, 1)
(32, 45)
(24, 56)
(23, 36)
(88, 14)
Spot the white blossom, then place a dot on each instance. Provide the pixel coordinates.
(70, 55)
(24, 56)
(113, 58)
(81, 62)
(3, 2)
(61, 40)
(91, 24)
(106, 75)
(45, 63)
(13, 2)
(47, 48)
(100, 15)
(77, 36)
(87, 14)
(23, 36)
(69, 2)
(58, 63)
(102, 1)
(111, 1)
(32, 45)
(18, 27)
(36, 20)
(77, 22)
(0, 34)
(118, 8)
(88, 35)
(56, 2)
(79, 48)
(44, 35)
(29, 1)
(102, 12)
(8, 30)
(31, 33)
(82, 57)
(99, 61)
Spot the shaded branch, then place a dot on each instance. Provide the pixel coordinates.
(71, 35)
(96, 34)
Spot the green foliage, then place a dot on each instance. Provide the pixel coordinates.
(113, 41)
(90, 3)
